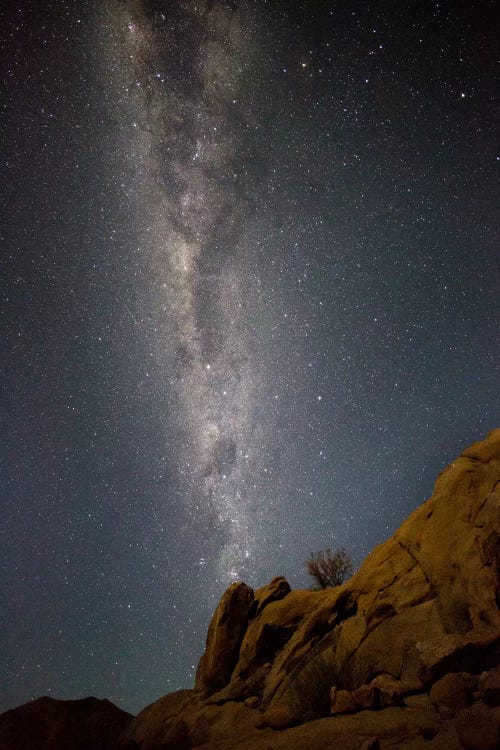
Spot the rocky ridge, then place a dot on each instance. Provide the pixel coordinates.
(405, 654)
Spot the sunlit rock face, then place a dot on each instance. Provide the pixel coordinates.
(375, 652)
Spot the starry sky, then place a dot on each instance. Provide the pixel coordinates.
(248, 308)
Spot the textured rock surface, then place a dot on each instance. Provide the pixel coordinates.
(449, 694)
(226, 630)
(278, 588)
(477, 728)
(49, 724)
(489, 687)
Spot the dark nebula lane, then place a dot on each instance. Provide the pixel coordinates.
(191, 197)
(249, 284)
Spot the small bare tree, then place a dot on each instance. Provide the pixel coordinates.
(330, 568)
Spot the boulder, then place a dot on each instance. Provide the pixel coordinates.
(225, 633)
(342, 702)
(252, 702)
(489, 687)
(419, 701)
(268, 633)
(383, 691)
(235, 691)
(161, 723)
(390, 692)
(477, 728)
(453, 652)
(449, 694)
(195, 724)
(277, 589)
(280, 717)
(345, 701)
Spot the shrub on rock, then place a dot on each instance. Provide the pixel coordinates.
(330, 568)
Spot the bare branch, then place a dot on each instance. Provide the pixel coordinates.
(330, 568)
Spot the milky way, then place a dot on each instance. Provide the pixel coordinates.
(184, 135)
(249, 308)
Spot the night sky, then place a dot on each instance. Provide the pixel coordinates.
(249, 303)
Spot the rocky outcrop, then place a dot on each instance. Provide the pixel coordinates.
(277, 589)
(49, 724)
(225, 633)
(404, 653)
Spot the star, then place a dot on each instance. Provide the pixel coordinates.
(224, 311)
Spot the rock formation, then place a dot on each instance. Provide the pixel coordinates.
(405, 654)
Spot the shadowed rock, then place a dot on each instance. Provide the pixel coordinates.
(224, 637)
